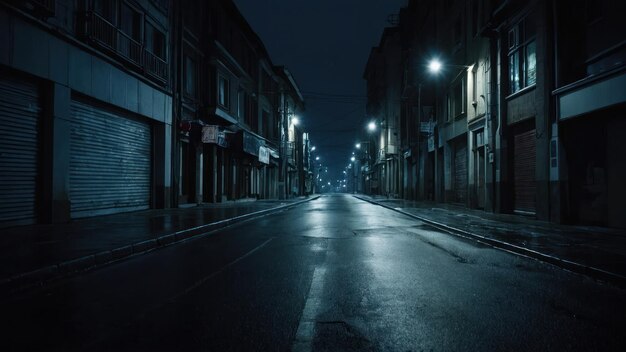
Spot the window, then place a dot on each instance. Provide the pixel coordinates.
(474, 85)
(223, 92)
(130, 22)
(155, 41)
(190, 76)
(106, 9)
(265, 124)
(241, 104)
(456, 99)
(522, 55)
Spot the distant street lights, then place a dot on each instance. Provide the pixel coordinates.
(371, 126)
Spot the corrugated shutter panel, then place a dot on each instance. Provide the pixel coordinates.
(460, 172)
(19, 150)
(110, 164)
(524, 169)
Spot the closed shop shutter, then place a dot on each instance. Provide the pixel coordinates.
(110, 163)
(19, 151)
(460, 172)
(524, 169)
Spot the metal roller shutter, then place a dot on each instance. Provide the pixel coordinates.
(110, 164)
(19, 150)
(524, 169)
(460, 172)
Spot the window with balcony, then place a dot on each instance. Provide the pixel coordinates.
(155, 51)
(130, 21)
(107, 9)
(155, 41)
(121, 28)
(522, 55)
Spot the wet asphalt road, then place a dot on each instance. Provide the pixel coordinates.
(332, 274)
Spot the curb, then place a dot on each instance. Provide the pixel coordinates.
(49, 273)
(593, 272)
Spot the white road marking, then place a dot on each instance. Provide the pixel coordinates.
(306, 327)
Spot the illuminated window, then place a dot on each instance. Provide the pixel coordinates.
(522, 55)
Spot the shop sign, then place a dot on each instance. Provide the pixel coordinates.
(264, 155)
(431, 143)
(212, 134)
(251, 143)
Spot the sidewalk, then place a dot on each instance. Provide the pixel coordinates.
(594, 251)
(38, 253)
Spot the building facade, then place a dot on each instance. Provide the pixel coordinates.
(525, 115)
(122, 105)
(86, 101)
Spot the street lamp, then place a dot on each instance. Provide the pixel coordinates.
(358, 146)
(434, 66)
(317, 158)
(295, 121)
(352, 158)
(371, 126)
(313, 148)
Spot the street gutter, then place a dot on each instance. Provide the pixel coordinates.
(590, 271)
(50, 273)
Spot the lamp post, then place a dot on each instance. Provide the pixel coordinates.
(435, 67)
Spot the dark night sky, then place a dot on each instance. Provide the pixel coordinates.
(325, 44)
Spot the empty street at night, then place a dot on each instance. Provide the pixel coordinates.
(334, 273)
(312, 175)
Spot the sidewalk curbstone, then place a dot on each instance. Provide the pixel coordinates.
(104, 257)
(144, 246)
(40, 275)
(166, 239)
(122, 252)
(52, 272)
(77, 264)
(594, 273)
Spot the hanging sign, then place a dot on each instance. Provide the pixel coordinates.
(264, 155)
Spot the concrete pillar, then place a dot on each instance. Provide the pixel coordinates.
(199, 174)
(161, 174)
(56, 149)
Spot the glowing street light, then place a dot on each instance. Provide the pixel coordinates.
(295, 121)
(434, 66)
(317, 158)
(352, 159)
(313, 148)
(358, 146)
(371, 126)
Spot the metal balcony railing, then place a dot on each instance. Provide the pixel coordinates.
(48, 6)
(155, 66)
(100, 30)
(107, 35)
(129, 48)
